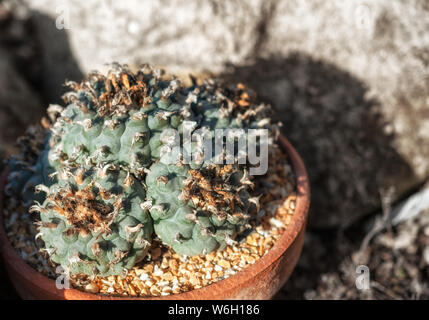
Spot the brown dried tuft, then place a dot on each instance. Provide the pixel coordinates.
(83, 211)
(121, 88)
(209, 189)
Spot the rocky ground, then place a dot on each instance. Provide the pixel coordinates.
(397, 259)
(350, 83)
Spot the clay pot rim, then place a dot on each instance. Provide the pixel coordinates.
(297, 223)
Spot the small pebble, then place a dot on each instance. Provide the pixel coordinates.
(144, 277)
(92, 287)
(224, 264)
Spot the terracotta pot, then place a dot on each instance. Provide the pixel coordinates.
(258, 281)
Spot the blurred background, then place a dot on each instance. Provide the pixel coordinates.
(349, 81)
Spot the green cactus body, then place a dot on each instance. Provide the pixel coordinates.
(124, 130)
(186, 210)
(92, 221)
(25, 172)
(115, 119)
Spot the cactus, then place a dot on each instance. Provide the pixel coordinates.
(92, 222)
(30, 167)
(198, 211)
(116, 118)
(112, 173)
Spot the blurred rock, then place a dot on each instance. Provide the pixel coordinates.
(18, 38)
(411, 207)
(426, 255)
(182, 35)
(339, 130)
(385, 44)
(20, 105)
(351, 83)
(350, 78)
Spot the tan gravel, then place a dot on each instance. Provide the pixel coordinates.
(165, 272)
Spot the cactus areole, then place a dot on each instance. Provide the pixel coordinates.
(134, 156)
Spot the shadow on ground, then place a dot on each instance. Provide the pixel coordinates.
(337, 128)
(339, 131)
(57, 60)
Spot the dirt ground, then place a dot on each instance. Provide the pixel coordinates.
(397, 259)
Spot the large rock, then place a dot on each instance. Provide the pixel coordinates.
(339, 130)
(183, 35)
(350, 78)
(354, 99)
